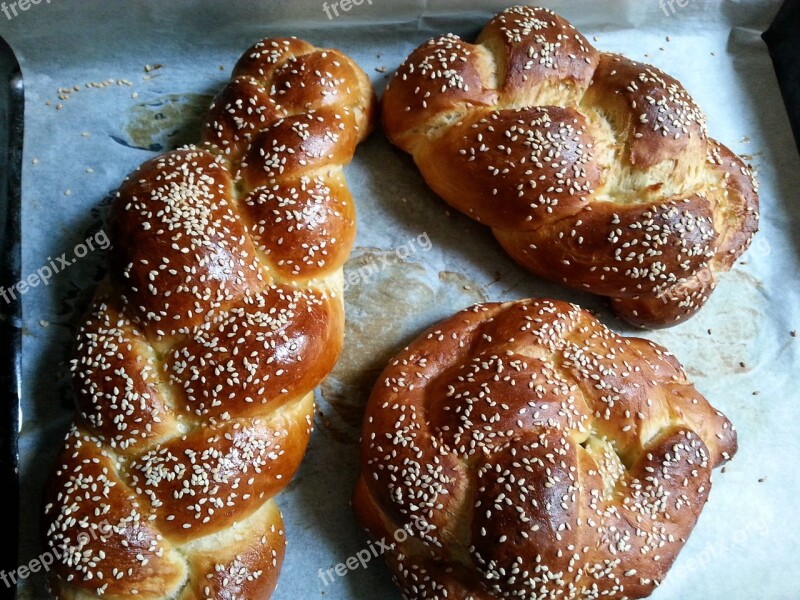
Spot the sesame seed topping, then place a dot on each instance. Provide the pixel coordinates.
(195, 371)
(538, 455)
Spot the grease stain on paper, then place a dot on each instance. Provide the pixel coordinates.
(167, 122)
(385, 310)
(722, 336)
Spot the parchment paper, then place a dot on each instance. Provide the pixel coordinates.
(739, 350)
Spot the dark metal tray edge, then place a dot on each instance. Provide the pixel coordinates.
(782, 39)
(12, 107)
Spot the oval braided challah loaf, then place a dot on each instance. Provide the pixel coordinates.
(523, 450)
(195, 373)
(592, 170)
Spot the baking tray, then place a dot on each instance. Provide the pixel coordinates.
(12, 108)
(783, 41)
(123, 113)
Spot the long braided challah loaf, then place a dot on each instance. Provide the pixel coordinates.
(523, 450)
(195, 373)
(592, 170)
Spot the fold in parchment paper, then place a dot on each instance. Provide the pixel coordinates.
(134, 79)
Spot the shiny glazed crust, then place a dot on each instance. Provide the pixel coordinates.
(523, 450)
(194, 373)
(592, 170)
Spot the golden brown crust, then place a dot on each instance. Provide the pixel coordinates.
(537, 54)
(451, 71)
(526, 451)
(578, 248)
(536, 134)
(113, 354)
(102, 527)
(195, 372)
(180, 249)
(239, 572)
(477, 166)
(302, 226)
(649, 110)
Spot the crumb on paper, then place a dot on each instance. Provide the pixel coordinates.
(155, 67)
(756, 393)
(64, 93)
(594, 38)
(709, 332)
(381, 69)
(742, 365)
(725, 469)
(222, 67)
(85, 134)
(663, 49)
(669, 38)
(793, 333)
(135, 95)
(34, 161)
(68, 192)
(89, 170)
(44, 323)
(762, 480)
(713, 54)
(108, 83)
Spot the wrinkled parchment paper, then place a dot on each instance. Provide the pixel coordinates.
(151, 69)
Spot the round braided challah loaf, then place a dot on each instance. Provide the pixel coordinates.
(195, 373)
(523, 450)
(592, 170)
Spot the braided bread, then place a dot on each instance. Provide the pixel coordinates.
(195, 372)
(523, 450)
(591, 169)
